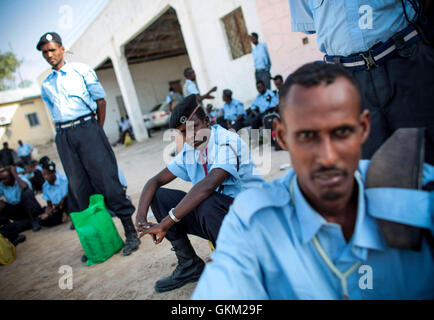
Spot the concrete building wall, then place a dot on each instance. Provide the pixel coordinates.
(20, 129)
(287, 51)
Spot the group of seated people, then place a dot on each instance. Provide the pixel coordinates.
(20, 210)
(235, 116)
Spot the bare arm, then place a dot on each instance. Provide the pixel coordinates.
(200, 191)
(100, 111)
(148, 192)
(207, 95)
(21, 183)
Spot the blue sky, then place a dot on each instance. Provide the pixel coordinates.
(23, 22)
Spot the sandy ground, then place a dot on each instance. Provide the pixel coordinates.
(35, 272)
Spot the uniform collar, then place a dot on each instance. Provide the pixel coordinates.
(366, 234)
(64, 70)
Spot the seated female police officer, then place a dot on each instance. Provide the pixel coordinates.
(219, 165)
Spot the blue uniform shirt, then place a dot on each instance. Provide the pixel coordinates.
(261, 58)
(24, 150)
(343, 27)
(265, 101)
(266, 247)
(56, 192)
(190, 88)
(187, 164)
(233, 110)
(13, 194)
(71, 91)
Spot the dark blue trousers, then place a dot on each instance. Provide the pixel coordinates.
(91, 167)
(204, 221)
(398, 93)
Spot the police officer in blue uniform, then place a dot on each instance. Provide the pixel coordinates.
(75, 99)
(55, 192)
(219, 165)
(265, 102)
(385, 45)
(234, 112)
(317, 232)
(20, 209)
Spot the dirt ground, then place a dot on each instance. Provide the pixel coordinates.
(35, 272)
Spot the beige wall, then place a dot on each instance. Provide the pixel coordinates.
(20, 128)
(286, 48)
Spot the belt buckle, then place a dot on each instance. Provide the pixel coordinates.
(369, 59)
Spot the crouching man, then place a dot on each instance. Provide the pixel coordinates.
(20, 209)
(333, 227)
(219, 165)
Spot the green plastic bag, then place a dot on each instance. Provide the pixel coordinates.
(97, 232)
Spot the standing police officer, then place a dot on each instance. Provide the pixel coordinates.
(75, 98)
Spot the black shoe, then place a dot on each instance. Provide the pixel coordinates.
(71, 227)
(35, 225)
(19, 239)
(84, 258)
(189, 267)
(132, 241)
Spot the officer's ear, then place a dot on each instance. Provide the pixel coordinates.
(280, 131)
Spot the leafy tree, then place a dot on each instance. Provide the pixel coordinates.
(8, 64)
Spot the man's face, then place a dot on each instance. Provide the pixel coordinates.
(323, 130)
(53, 53)
(254, 40)
(278, 83)
(196, 132)
(6, 178)
(261, 88)
(49, 176)
(192, 75)
(226, 99)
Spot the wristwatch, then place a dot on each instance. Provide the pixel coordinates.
(172, 216)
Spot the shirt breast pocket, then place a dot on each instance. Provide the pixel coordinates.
(74, 86)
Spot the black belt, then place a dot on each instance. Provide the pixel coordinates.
(381, 53)
(74, 123)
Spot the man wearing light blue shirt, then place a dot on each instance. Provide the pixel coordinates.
(190, 86)
(384, 45)
(55, 192)
(265, 102)
(318, 232)
(219, 165)
(261, 60)
(234, 112)
(76, 101)
(24, 151)
(19, 210)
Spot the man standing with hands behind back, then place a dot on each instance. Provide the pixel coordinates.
(75, 98)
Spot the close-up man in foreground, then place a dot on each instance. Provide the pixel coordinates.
(323, 231)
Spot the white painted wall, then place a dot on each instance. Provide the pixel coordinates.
(151, 80)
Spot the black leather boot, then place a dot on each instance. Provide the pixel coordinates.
(132, 241)
(189, 267)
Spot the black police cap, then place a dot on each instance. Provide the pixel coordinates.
(182, 111)
(48, 37)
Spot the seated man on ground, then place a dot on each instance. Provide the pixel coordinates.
(318, 231)
(19, 210)
(234, 111)
(219, 165)
(265, 102)
(24, 151)
(55, 192)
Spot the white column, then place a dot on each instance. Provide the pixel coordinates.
(128, 91)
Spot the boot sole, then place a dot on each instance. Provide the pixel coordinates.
(179, 285)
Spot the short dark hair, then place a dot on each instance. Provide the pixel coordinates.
(254, 34)
(227, 93)
(278, 77)
(183, 110)
(187, 71)
(260, 81)
(314, 74)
